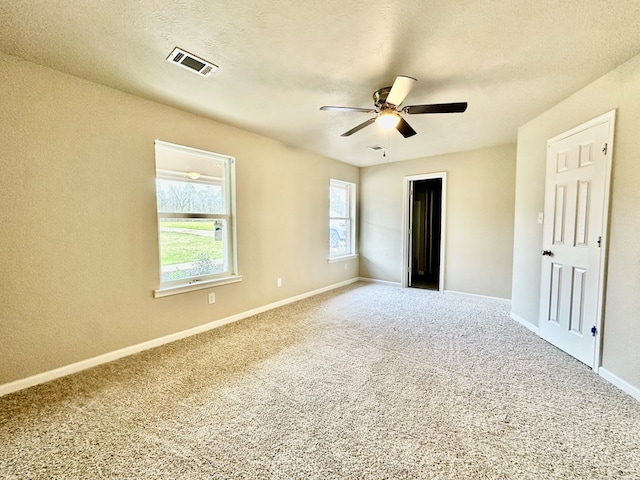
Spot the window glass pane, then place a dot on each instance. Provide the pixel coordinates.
(196, 228)
(189, 197)
(191, 248)
(342, 203)
(339, 200)
(339, 241)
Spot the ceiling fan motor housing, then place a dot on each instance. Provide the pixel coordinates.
(380, 97)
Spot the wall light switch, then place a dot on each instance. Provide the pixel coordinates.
(279, 282)
(540, 218)
(346, 266)
(212, 298)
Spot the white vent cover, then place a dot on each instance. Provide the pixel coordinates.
(191, 62)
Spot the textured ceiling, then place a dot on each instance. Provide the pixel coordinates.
(281, 60)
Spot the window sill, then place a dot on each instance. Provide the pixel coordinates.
(190, 287)
(352, 256)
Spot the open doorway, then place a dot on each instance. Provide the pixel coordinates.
(424, 232)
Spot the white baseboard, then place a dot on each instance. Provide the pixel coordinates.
(373, 280)
(618, 382)
(487, 297)
(524, 323)
(156, 342)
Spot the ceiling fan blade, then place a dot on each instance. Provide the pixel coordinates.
(359, 127)
(436, 108)
(347, 109)
(405, 129)
(400, 89)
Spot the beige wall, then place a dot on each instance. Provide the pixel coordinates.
(479, 225)
(619, 90)
(78, 249)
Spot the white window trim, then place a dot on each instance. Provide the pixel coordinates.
(231, 277)
(352, 223)
(351, 256)
(196, 285)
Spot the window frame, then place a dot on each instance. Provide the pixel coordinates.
(228, 214)
(350, 187)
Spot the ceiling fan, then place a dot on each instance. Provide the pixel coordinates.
(387, 102)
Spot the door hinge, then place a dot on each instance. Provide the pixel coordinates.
(594, 331)
(605, 148)
(600, 241)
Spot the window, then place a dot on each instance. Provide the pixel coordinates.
(342, 219)
(196, 224)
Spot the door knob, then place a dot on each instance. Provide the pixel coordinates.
(549, 253)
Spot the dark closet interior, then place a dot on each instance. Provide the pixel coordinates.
(426, 233)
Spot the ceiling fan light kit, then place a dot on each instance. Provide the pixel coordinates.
(387, 106)
(387, 119)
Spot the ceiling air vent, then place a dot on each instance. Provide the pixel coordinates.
(376, 147)
(191, 62)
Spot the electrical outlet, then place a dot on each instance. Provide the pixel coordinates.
(212, 298)
(279, 282)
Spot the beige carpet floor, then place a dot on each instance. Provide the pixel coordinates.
(365, 382)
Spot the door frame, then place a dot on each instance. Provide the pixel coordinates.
(604, 252)
(407, 183)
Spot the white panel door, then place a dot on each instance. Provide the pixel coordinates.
(576, 185)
